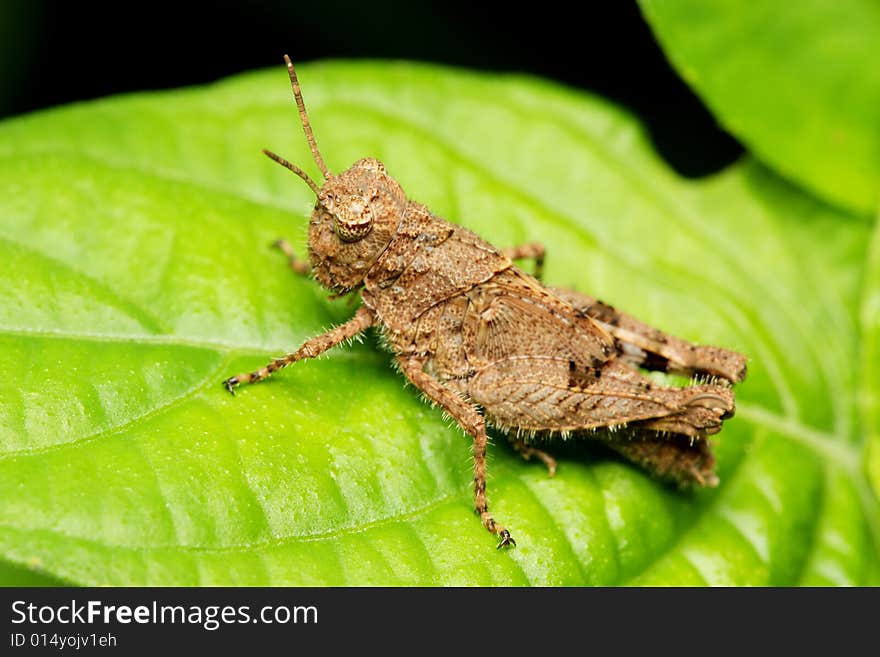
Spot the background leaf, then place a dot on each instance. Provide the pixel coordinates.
(797, 82)
(135, 235)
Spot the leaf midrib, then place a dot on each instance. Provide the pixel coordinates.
(264, 543)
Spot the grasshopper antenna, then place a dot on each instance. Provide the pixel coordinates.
(288, 165)
(307, 127)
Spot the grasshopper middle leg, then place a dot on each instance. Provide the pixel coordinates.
(533, 250)
(473, 423)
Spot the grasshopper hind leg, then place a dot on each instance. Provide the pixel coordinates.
(663, 429)
(647, 347)
(673, 458)
(640, 344)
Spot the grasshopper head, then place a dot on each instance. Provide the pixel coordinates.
(356, 214)
(355, 217)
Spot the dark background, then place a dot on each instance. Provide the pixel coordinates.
(57, 51)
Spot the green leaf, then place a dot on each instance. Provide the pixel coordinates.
(135, 235)
(798, 82)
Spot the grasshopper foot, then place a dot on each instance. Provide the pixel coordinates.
(506, 540)
(230, 384)
(253, 377)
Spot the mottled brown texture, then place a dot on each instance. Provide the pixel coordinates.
(484, 340)
(651, 349)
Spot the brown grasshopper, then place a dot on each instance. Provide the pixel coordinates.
(474, 333)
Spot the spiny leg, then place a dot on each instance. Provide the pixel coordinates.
(534, 250)
(666, 427)
(543, 393)
(362, 320)
(648, 347)
(474, 424)
(527, 452)
(300, 267)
